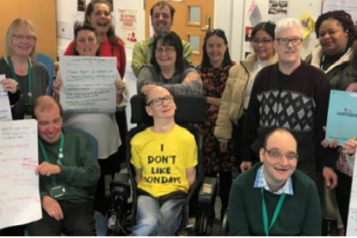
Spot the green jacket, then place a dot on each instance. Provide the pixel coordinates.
(79, 170)
(300, 214)
(340, 74)
(143, 50)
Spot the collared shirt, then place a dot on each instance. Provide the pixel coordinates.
(260, 182)
(143, 50)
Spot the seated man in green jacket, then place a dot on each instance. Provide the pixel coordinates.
(273, 197)
(68, 173)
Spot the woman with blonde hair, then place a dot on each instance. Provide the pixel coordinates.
(22, 73)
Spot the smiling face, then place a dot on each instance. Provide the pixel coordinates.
(49, 124)
(23, 41)
(165, 55)
(263, 45)
(161, 19)
(333, 38)
(100, 18)
(289, 52)
(165, 110)
(86, 43)
(278, 170)
(216, 48)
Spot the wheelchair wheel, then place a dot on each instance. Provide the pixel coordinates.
(205, 224)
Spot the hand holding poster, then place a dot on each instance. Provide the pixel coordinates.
(5, 110)
(19, 191)
(342, 115)
(88, 84)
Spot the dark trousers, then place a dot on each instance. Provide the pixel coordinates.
(107, 168)
(78, 220)
(225, 183)
(111, 165)
(343, 194)
(13, 231)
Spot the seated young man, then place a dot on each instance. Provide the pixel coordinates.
(164, 156)
(68, 174)
(273, 197)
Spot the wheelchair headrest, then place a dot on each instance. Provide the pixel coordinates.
(190, 109)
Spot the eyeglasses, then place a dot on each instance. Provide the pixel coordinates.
(21, 37)
(263, 41)
(285, 41)
(276, 154)
(159, 101)
(167, 49)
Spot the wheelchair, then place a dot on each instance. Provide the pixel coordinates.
(122, 215)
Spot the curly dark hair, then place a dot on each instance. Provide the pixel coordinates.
(111, 32)
(342, 17)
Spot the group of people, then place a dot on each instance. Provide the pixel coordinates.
(265, 118)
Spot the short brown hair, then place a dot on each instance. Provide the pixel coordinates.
(161, 4)
(44, 103)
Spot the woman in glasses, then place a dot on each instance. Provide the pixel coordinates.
(23, 75)
(236, 95)
(289, 94)
(336, 33)
(214, 69)
(169, 69)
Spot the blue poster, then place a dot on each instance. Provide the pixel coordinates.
(342, 116)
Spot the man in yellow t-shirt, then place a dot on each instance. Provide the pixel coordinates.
(164, 157)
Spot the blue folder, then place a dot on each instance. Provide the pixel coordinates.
(342, 116)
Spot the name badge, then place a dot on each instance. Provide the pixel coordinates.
(56, 191)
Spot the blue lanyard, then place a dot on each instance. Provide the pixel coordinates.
(275, 215)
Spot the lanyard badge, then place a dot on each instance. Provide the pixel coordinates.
(54, 189)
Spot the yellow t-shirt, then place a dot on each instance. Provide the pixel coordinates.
(164, 158)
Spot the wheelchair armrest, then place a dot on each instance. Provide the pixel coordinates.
(120, 186)
(208, 191)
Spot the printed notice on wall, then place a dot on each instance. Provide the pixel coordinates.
(128, 26)
(5, 109)
(19, 191)
(349, 6)
(88, 84)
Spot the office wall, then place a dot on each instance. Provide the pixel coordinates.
(43, 15)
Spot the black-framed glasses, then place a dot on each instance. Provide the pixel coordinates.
(160, 101)
(285, 41)
(263, 41)
(276, 154)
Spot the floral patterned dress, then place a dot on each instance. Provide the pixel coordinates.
(214, 82)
